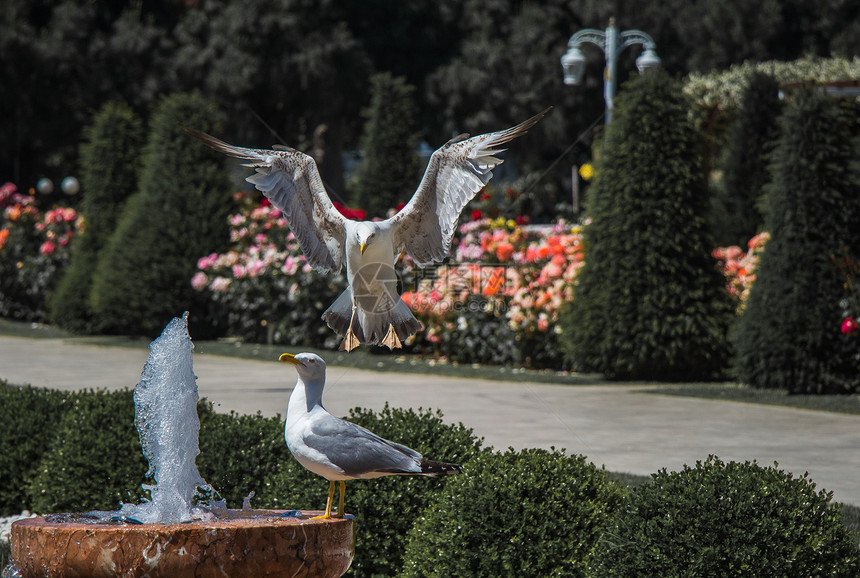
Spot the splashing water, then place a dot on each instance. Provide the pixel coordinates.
(165, 403)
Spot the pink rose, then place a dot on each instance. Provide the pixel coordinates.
(199, 281)
(220, 284)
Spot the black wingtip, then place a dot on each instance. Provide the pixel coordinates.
(202, 136)
(432, 468)
(525, 125)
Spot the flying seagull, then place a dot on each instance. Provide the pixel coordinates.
(370, 309)
(337, 449)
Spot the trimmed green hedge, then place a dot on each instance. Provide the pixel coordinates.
(789, 337)
(649, 302)
(110, 161)
(94, 459)
(729, 519)
(24, 438)
(736, 211)
(5, 554)
(238, 453)
(178, 214)
(529, 513)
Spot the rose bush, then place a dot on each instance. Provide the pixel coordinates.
(499, 303)
(34, 249)
(496, 301)
(263, 287)
(739, 267)
(507, 288)
(850, 268)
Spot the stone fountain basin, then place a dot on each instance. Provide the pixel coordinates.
(253, 543)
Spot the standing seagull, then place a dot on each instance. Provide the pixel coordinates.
(370, 309)
(337, 449)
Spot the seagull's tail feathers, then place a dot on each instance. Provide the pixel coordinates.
(388, 326)
(431, 468)
(339, 316)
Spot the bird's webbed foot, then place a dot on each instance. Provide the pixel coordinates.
(391, 340)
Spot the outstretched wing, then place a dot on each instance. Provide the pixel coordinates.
(455, 174)
(290, 180)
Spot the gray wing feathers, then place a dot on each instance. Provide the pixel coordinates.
(361, 451)
(455, 174)
(290, 180)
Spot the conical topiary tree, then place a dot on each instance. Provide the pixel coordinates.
(390, 171)
(179, 213)
(649, 302)
(789, 334)
(751, 141)
(110, 162)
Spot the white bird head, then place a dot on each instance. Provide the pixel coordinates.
(309, 366)
(366, 233)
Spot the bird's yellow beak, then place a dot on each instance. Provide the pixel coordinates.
(290, 358)
(363, 245)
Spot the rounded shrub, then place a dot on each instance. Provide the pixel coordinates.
(94, 460)
(385, 508)
(110, 161)
(179, 213)
(728, 519)
(24, 438)
(239, 452)
(649, 302)
(529, 513)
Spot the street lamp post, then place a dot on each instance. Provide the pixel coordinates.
(612, 42)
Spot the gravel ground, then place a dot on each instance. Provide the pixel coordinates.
(6, 524)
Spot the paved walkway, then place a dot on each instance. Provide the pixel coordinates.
(613, 425)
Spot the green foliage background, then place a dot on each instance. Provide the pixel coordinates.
(649, 302)
(390, 172)
(739, 201)
(24, 439)
(93, 460)
(476, 64)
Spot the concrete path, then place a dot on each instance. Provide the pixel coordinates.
(617, 426)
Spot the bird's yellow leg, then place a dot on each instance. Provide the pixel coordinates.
(340, 502)
(327, 514)
(350, 341)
